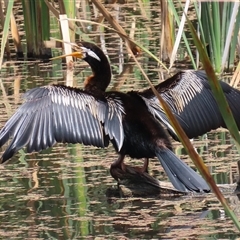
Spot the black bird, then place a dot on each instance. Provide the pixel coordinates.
(130, 121)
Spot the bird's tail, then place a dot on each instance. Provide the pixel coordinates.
(180, 174)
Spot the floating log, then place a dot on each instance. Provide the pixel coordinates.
(134, 183)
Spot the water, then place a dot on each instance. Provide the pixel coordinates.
(62, 192)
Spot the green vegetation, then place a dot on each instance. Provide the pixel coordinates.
(217, 24)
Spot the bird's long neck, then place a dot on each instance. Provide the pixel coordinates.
(101, 77)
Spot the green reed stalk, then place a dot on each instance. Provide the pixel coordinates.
(28, 12)
(37, 26)
(5, 30)
(70, 8)
(219, 27)
(45, 21)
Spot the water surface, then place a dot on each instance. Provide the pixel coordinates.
(62, 192)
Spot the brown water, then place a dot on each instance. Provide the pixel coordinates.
(62, 193)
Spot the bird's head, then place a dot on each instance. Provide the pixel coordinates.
(87, 51)
(97, 60)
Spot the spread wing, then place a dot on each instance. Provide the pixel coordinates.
(62, 114)
(189, 96)
(157, 111)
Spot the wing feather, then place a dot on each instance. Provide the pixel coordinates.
(190, 98)
(62, 114)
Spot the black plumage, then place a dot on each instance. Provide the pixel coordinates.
(130, 121)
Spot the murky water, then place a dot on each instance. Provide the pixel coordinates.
(62, 193)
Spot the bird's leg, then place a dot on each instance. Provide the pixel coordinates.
(145, 166)
(116, 166)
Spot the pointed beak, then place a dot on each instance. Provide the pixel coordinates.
(73, 54)
(79, 53)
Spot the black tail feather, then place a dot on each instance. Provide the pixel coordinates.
(180, 174)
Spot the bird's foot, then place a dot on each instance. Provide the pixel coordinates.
(120, 171)
(117, 171)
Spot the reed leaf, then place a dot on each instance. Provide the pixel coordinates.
(167, 31)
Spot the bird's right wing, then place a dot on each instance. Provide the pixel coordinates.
(157, 111)
(62, 114)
